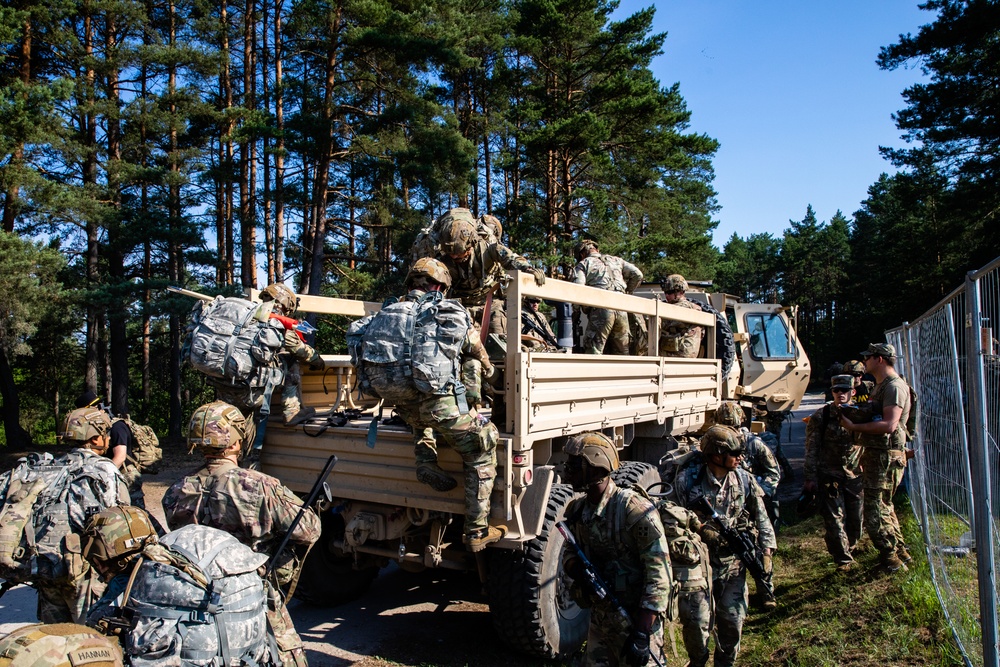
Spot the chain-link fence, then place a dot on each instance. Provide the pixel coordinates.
(950, 357)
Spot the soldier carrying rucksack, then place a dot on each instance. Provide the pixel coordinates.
(44, 505)
(193, 598)
(133, 448)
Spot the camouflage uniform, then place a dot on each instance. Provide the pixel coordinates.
(760, 462)
(738, 499)
(606, 327)
(680, 339)
(532, 320)
(474, 278)
(833, 461)
(257, 510)
(295, 350)
(883, 461)
(624, 539)
(692, 574)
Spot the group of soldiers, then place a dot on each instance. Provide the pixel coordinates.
(856, 455)
(249, 505)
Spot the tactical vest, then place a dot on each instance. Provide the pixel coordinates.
(428, 243)
(418, 340)
(45, 505)
(197, 597)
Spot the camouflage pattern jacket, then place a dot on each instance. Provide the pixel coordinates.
(607, 272)
(831, 450)
(624, 538)
(759, 461)
(737, 498)
(473, 279)
(252, 507)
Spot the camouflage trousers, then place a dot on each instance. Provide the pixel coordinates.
(291, 389)
(729, 590)
(694, 613)
(472, 380)
(498, 316)
(607, 635)
(67, 601)
(840, 505)
(473, 440)
(290, 648)
(606, 329)
(882, 474)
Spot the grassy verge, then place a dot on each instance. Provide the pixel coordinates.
(862, 617)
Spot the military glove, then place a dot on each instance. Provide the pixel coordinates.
(768, 565)
(711, 537)
(489, 372)
(635, 653)
(316, 362)
(539, 276)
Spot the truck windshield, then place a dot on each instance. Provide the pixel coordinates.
(769, 337)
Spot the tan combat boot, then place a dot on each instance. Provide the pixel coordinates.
(298, 417)
(477, 540)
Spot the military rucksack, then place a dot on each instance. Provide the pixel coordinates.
(672, 463)
(418, 342)
(912, 424)
(146, 455)
(45, 505)
(196, 599)
(59, 645)
(235, 343)
(427, 243)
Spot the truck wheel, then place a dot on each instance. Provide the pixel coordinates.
(329, 577)
(529, 593)
(632, 473)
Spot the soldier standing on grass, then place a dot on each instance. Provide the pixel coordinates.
(883, 457)
(736, 497)
(833, 470)
(253, 507)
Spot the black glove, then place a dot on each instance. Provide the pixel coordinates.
(635, 653)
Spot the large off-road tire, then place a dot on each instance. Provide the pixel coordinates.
(330, 577)
(725, 346)
(529, 593)
(632, 473)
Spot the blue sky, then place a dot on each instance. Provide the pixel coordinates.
(792, 92)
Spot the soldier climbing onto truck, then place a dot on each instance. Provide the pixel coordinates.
(410, 354)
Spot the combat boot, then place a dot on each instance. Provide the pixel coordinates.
(302, 415)
(433, 476)
(477, 540)
(903, 554)
(892, 563)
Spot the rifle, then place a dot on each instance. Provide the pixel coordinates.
(743, 545)
(317, 488)
(529, 323)
(187, 292)
(596, 584)
(6, 586)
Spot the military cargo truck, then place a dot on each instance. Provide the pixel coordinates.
(381, 513)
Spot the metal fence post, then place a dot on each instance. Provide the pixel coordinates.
(980, 456)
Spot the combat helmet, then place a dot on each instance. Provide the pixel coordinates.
(720, 439)
(582, 248)
(115, 536)
(216, 426)
(673, 283)
(730, 413)
(281, 295)
(853, 366)
(83, 424)
(428, 268)
(594, 448)
(457, 231)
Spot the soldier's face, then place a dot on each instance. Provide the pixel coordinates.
(462, 257)
(673, 297)
(842, 396)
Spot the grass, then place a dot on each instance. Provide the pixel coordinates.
(862, 618)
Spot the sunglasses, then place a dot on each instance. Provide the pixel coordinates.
(737, 454)
(841, 391)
